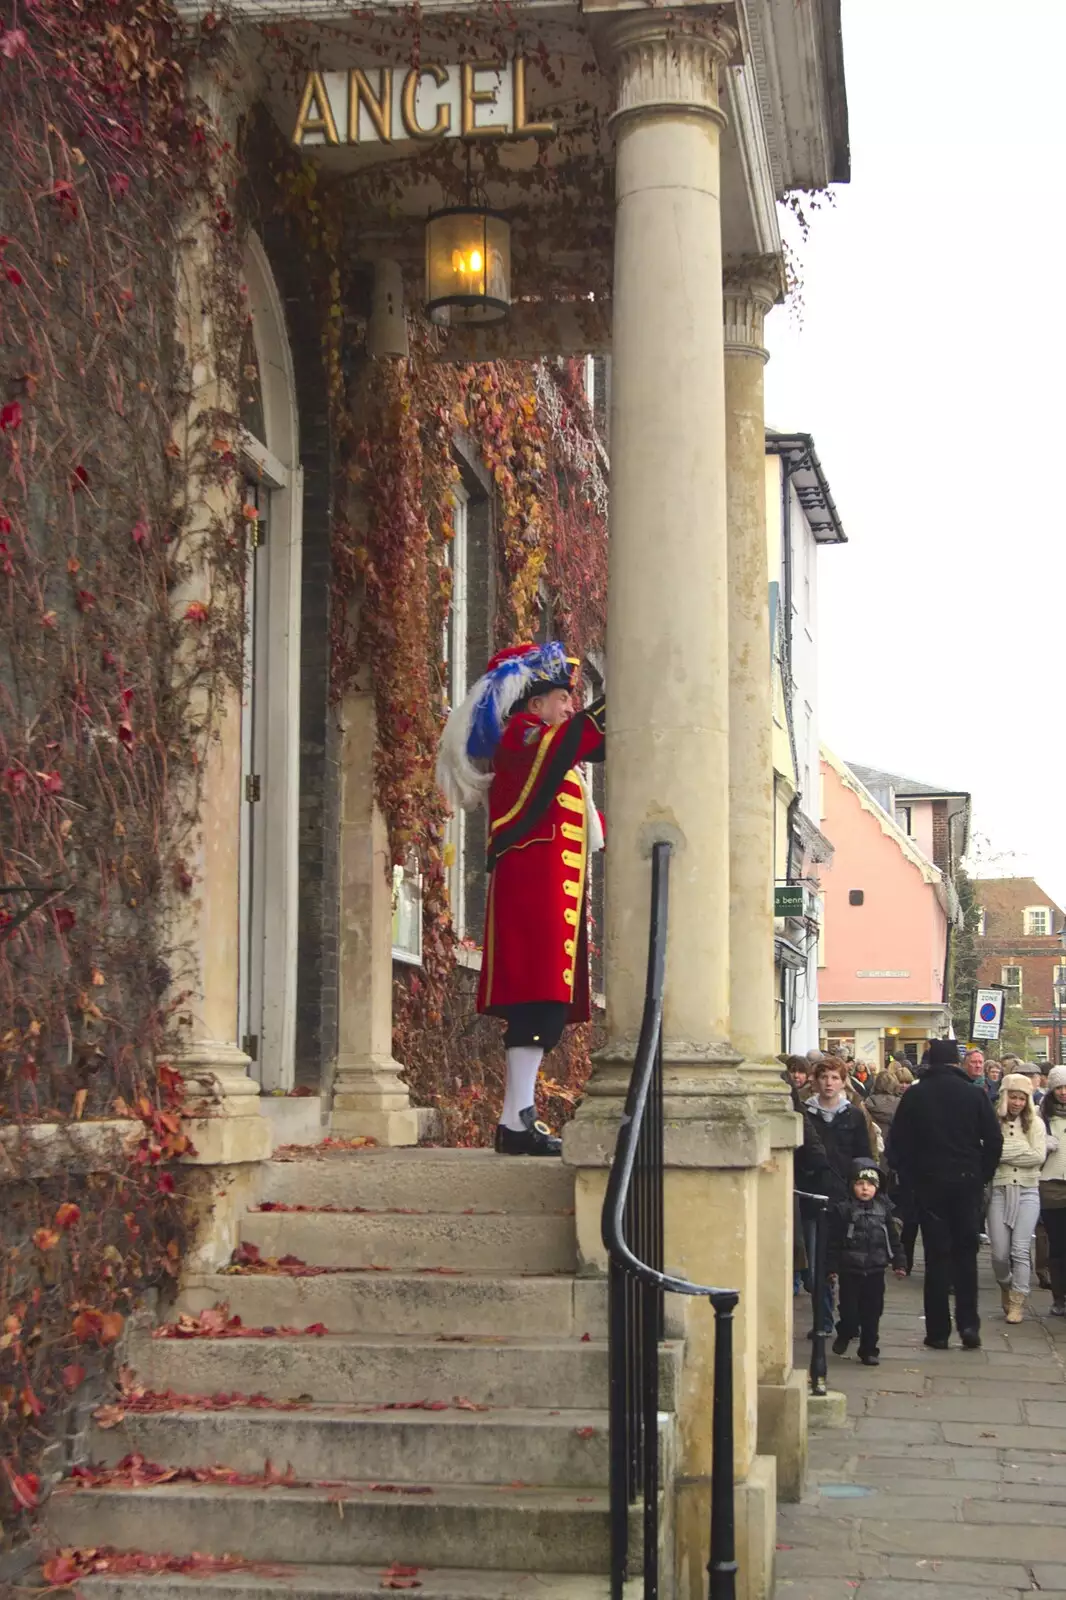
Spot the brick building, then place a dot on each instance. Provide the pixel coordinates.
(1020, 943)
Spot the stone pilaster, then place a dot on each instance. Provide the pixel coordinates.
(369, 1097)
(225, 1123)
(751, 289)
(668, 734)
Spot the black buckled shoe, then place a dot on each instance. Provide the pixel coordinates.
(536, 1138)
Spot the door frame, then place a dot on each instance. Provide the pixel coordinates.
(274, 462)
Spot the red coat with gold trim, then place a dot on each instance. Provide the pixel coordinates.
(536, 946)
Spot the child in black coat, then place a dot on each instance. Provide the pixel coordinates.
(864, 1240)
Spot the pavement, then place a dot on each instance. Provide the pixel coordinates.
(949, 1478)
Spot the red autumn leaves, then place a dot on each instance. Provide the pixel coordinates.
(65, 1568)
(216, 1323)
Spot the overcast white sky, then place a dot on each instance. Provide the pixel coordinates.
(929, 367)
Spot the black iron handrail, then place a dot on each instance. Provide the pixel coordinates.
(632, 1232)
(819, 1362)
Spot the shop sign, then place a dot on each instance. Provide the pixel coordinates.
(386, 105)
(788, 900)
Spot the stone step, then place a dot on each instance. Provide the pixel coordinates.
(539, 1244)
(454, 1446)
(438, 1181)
(539, 1530)
(350, 1583)
(351, 1369)
(395, 1302)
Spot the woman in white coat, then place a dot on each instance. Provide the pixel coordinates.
(1014, 1209)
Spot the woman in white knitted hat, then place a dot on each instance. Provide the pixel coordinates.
(1053, 1186)
(1014, 1209)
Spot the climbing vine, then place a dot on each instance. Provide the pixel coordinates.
(114, 657)
(392, 590)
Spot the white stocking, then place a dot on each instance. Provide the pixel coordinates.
(523, 1064)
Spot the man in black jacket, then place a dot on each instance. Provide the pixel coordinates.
(945, 1142)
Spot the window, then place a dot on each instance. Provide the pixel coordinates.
(465, 649)
(903, 820)
(981, 922)
(1039, 1049)
(1037, 924)
(1058, 979)
(1011, 979)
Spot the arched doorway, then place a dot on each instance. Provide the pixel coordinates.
(270, 700)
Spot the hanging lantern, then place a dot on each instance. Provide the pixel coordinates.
(468, 266)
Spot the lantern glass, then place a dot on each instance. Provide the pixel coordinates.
(468, 266)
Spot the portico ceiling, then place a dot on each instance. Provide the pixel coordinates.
(784, 98)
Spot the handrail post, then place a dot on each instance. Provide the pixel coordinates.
(722, 1564)
(632, 1228)
(819, 1361)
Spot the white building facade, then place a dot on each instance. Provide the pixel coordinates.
(801, 517)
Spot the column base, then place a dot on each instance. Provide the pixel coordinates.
(756, 1532)
(783, 1432)
(371, 1101)
(222, 1115)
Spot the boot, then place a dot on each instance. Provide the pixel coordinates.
(1004, 1298)
(1017, 1301)
(1057, 1274)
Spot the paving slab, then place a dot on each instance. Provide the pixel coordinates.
(995, 1433)
(937, 1408)
(885, 1431)
(964, 1455)
(903, 1589)
(946, 1574)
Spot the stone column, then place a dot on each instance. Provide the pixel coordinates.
(751, 288)
(368, 1095)
(668, 737)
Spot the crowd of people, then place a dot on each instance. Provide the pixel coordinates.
(963, 1150)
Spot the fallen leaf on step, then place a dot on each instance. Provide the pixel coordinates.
(585, 1433)
(109, 1416)
(585, 1338)
(398, 1570)
(401, 1583)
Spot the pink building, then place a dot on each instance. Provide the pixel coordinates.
(882, 981)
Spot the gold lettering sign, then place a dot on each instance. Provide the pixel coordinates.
(374, 92)
(474, 97)
(407, 103)
(378, 107)
(521, 110)
(315, 100)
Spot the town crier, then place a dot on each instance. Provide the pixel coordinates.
(517, 742)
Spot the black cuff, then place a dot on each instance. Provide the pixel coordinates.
(597, 714)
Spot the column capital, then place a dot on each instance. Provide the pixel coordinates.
(750, 288)
(666, 64)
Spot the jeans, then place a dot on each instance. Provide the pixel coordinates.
(1013, 1214)
(862, 1300)
(950, 1217)
(1054, 1220)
